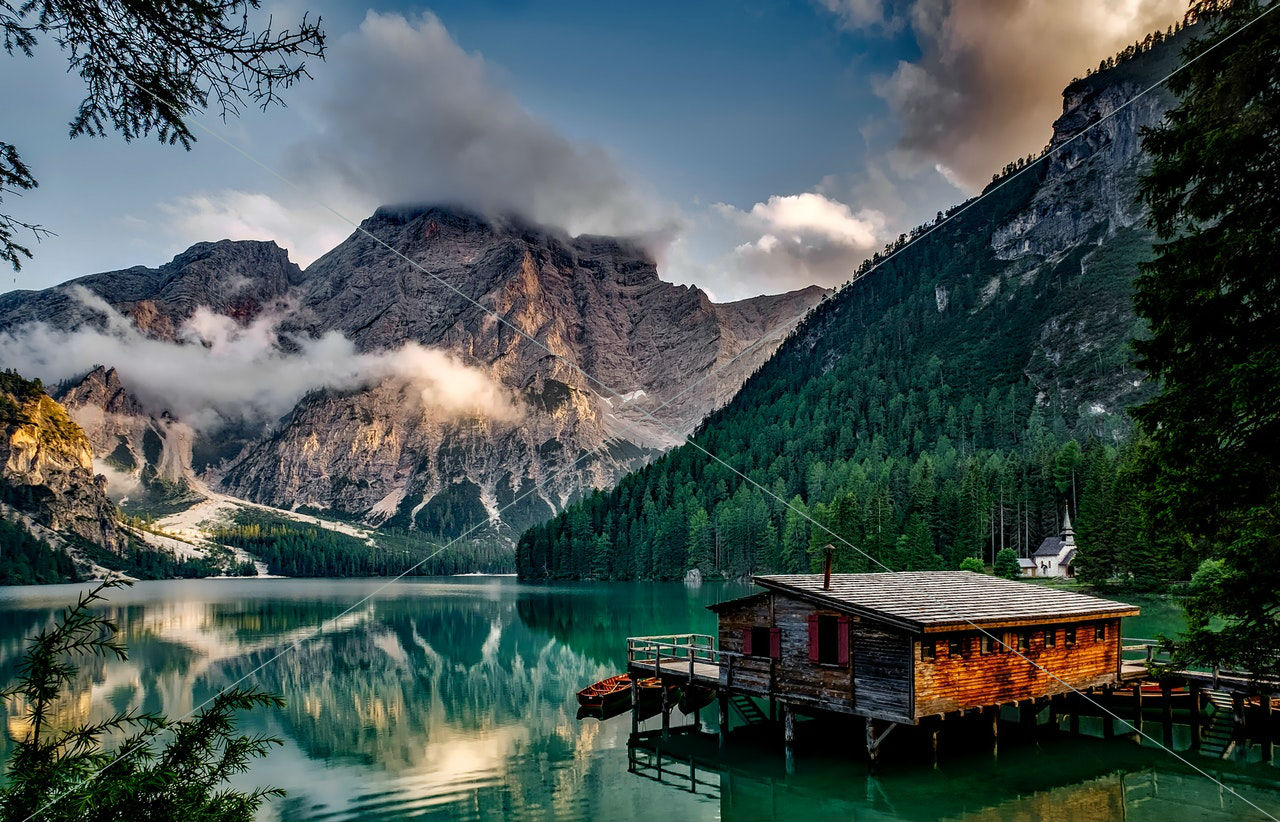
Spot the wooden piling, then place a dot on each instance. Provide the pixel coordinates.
(723, 700)
(666, 712)
(1073, 703)
(1268, 733)
(1197, 715)
(1237, 717)
(1167, 712)
(1137, 708)
(635, 705)
(873, 749)
(1108, 721)
(933, 731)
(995, 730)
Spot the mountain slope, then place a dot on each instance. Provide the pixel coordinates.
(924, 411)
(379, 448)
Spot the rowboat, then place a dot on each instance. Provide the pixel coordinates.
(607, 693)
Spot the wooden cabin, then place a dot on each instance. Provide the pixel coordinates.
(905, 646)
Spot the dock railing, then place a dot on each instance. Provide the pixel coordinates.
(681, 654)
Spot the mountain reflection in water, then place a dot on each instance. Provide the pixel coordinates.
(454, 699)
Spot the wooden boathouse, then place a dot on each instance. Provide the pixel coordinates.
(895, 648)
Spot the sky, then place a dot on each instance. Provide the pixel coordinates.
(754, 146)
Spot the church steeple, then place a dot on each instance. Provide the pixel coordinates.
(1068, 533)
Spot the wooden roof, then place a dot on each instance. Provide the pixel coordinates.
(733, 603)
(936, 601)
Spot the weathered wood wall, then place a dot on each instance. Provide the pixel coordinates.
(881, 670)
(973, 679)
(876, 680)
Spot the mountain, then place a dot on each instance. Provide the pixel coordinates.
(46, 467)
(403, 292)
(949, 403)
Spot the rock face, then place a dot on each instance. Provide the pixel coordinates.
(569, 307)
(46, 466)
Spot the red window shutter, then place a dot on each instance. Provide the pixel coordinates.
(842, 645)
(813, 637)
(746, 642)
(775, 643)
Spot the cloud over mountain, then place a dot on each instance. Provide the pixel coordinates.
(228, 372)
(987, 84)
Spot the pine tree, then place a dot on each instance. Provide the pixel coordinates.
(1212, 299)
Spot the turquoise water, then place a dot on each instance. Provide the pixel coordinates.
(453, 699)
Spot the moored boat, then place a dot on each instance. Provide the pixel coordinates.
(612, 692)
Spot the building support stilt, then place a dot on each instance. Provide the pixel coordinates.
(1108, 721)
(1073, 704)
(789, 736)
(1137, 708)
(666, 712)
(934, 731)
(1197, 716)
(994, 718)
(1167, 713)
(1268, 733)
(635, 706)
(723, 700)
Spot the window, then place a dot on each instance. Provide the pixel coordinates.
(759, 642)
(1024, 641)
(1069, 637)
(988, 644)
(955, 647)
(928, 649)
(828, 639)
(1100, 633)
(1050, 638)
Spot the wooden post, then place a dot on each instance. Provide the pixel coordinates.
(1237, 716)
(789, 736)
(1137, 707)
(1197, 717)
(1108, 722)
(723, 699)
(1267, 732)
(666, 710)
(1053, 713)
(1167, 713)
(635, 705)
(873, 750)
(1073, 704)
(934, 730)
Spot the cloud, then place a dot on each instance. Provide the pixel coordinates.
(794, 240)
(988, 82)
(408, 116)
(203, 378)
(243, 215)
(860, 14)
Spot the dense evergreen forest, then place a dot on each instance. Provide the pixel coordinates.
(295, 549)
(926, 413)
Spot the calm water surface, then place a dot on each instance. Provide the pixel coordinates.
(454, 700)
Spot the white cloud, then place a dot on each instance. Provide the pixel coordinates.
(306, 232)
(408, 116)
(988, 83)
(201, 379)
(794, 240)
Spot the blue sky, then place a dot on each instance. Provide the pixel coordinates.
(757, 146)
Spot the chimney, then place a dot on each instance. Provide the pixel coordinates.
(826, 573)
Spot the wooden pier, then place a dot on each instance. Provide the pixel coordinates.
(927, 649)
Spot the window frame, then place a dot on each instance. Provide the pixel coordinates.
(1069, 636)
(1100, 632)
(1051, 638)
(761, 639)
(928, 650)
(955, 647)
(833, 644)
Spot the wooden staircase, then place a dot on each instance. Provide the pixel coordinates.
(1218, 739)
(748, 709)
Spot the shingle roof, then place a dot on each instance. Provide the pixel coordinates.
(933, 601)
(1049, 548)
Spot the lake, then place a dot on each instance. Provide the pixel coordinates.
(453, 699)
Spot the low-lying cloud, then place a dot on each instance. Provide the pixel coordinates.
(220, 371)
(988, 82)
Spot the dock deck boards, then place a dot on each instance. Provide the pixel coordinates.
(706, 673)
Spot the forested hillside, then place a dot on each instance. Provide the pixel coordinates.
(948, 404)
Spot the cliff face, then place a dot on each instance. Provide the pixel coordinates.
(46, 466)
(594, 305)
